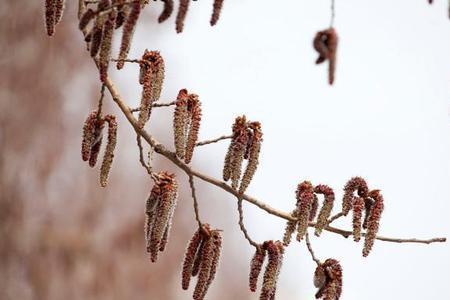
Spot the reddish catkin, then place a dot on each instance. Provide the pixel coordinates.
(97, 30)
(332, 288)
(97, 141)
(325, 43)
(50, 20)
(167, 10)
(198, 257)
(314, 208)
(168, 200)
(217, 8)
(326, 209)
(195, 111)
(60, 5)
(240, 142)
(305, 198)
(217, 249)
(374, 221)
(122, 15)
(290, 228)
(190, 255)
(256, 267)
(128, 31)
(109, 151)
(105, 48)
(181, 16)
(85, 18)
(88, 135)
(357, 184)
(358, 207)
(254, 148)
(150, 212)
(180, 117)
(207, 255)
(368, 204)
(275, 259)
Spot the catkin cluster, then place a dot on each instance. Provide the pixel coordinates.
(202, 260)
(159, 210)
(184, 7)
(274, 251)
(306, 210)
(53, 13)
(151, 77)
(92, 141)
(328, 279)
(326, 42)
(245, 144)
(186, 124)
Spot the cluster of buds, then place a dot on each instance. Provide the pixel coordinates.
(306, 210)
(184, 7)
(92, 141)
(369, 203)
(274, 251)
(54, 10)
(328, 279)
(186, 124)
(325, 43)
(151, 77)
(159, 211)
(202, 260)
(245, 144)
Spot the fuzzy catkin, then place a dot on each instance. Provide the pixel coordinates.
(189, 258)
(373, 222)
(85, 18)
(50, 17)
(328, 278)
(275, 259)
(59, 10)
(128, 31)
(357, 184)
(217, 248)
(256, 267)
(167, 11)
(181, 16)
(358, 207)
(207, 255)
(109, 151)
(196, 116)
(97, 30)
(325, 43)
(238, 148)
(106, 44)
(217, 8)
(326, 209)
(150, 212)
(254, 149)
(97, 141)
(305, 198)
(179, 123)
(88, 135)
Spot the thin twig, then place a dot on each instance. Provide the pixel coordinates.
(223, 137)
(242, 226)
(154, 105)
(194, 197)
(162, 150)
(137, 61)
(310, 249)
(335, 217)
(148, 166)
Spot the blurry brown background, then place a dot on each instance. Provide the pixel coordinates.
(61, 235)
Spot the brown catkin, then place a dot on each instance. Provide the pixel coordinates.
(168, 189)
(167, 11)
(207, 256)
(128, 31)
(59, 10)
(150, 212)
(97, 141)
(328, 278)
(196, 116)
(97, 30)
(275, 259)
(85, 18)
(217, 244)
(325, 43)
(179, 123)
(358, 207)
(198, 258)
(354, 184)
(256, 267)
(305, 198)
(314, 208)
(253, 156)
(374, 221)
(50, 20)
(226, 174)
(326, 209)
(217, 8)
(189, 258)
(88, 135)
(122, 15)
(181, 16)
(290, 228)
(105, 48)
(109, 151)
(240, 142)
(81, 9)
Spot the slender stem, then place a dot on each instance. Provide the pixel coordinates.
(310, 249)
(220, 138)
(161, 149)
(148, 166)
(242, 226)
(137, 61)
(154, 105)
(194, 197)
(335, 217)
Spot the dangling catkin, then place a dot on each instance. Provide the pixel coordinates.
(88, 135)
(374, 221)
(325, 43)
(85, 18)
(217, 8)
(217, 248)
(97, 141)
(179, 123)
(182, 11)
(167, 11)
(253, 156)
(358, 207)
(275, 259)
(128, 31)
(305, 198)
(256, 266)
(50, 20)
(354, 184)
(59, 10)
(105, 48)
(97, 30)
(109, 151)
(328, 279)
(195, 112)
(326, 209)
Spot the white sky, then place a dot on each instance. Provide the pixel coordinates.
(386, 119)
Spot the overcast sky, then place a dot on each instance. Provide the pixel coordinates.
(386, 119)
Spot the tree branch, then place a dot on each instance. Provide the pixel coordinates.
(223, 137)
